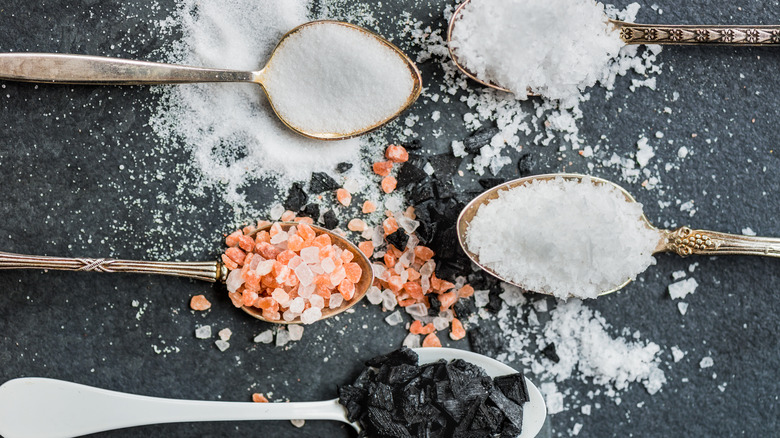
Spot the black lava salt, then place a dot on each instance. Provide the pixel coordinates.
(396, 397)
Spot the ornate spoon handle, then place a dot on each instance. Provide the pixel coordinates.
(208, 271)
(686, 241)
(633, 33)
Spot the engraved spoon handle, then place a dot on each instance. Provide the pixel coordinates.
(83, 69)
(632, 33)
(686, 241)
(208, 271)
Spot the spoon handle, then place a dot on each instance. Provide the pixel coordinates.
(632, 33)
(686, 241)
(208, 271)
(48, 408)
(82, 69)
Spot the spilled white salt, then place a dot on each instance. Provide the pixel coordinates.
(555, 48)
(230, 131)
(682, 288)
(332, 78)
(563, 237)
(265, 337)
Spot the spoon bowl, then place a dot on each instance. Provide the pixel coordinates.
(207, 271)
(632, 33)
(74, 410)
(81, 69)
(366, 278)
(683, 241)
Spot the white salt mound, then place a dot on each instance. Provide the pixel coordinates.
(230, 130)
(331, 78)
(555, 48)
(563, 237)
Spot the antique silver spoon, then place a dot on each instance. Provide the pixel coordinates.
(683, 241)
(81, 69)
(208, 271)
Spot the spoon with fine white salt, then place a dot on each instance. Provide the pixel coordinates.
(326, 80)
(548, 28)
(72, 410)
(577, 235)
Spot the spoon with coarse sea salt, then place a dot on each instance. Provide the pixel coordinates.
(208, 271)
(325, 79)
(557, 230)
(74, 410)
(633, 33)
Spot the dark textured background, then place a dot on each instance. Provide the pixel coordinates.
(69, 156)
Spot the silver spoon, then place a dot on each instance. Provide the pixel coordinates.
(48, 408)
(208, 271)
(683, 241)
(81, 69)
(632, 33)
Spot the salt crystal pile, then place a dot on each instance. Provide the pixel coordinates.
(289, 274)
(555, 48)
(563, 237)
(331, 78)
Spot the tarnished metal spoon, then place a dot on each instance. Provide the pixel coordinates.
(73, 410)
(632, 33)
(208, 271)
(81, 69)
(683, 241)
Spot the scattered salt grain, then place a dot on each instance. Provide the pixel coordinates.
(676, 275)
(481, 298)
(225, 334)
(222, 345)
(394, 318)
(298, 423)
(644, 152)
(311, 315)
(265, 337)
(412, 341)
(748, 231)
(332, 78)
(677, 354)
(374, 295)
(682, 307)
(562, 235)
(682, 288)
(295, 331)
(203, 332)
(706, 362)
(336, 300)
(282, 337)
(555, 48)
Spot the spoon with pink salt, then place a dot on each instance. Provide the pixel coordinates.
(71, 409)
(216, 271)
(326, 80)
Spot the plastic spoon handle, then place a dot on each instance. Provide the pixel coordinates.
(47, 408)
(81, 69)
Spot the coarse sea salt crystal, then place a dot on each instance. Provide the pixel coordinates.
(225, 334)
(275, 212)
(677, 354)
(234, 280)
(317, 301)
(563, 235)
(706, 362)
(297, 305)
(328, 265)
(440, 323)
(389, 301)
(222, 345)
(374, 295)
(203, 332)
(311, 315)
(682, 288)
(394, 318)
(310, 255)
(296, 332)
(417, 310)
(682, 307)
(282, 337)
(335, 301)
(265, 337)
(412, 341)
(304, 274)
(331, 78)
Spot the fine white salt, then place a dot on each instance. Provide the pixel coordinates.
(332, 78)
(555, 48)
(563, 237)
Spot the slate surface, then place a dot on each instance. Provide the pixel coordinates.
(69, 156)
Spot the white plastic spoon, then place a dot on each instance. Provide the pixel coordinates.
(73, 410)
